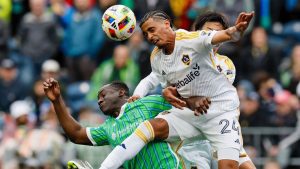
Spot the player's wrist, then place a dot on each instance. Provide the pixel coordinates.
(235, 33)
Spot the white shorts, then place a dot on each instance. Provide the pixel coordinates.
(197, 153)
(222, 131)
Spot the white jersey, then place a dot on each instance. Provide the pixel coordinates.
(225, 65)
(192, 69)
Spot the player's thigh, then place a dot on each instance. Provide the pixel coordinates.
(179, 129)
(223, 132)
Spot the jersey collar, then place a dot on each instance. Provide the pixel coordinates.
(122, 111)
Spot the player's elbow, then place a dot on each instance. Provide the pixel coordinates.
(79, 138)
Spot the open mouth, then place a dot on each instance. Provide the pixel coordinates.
(154, 42)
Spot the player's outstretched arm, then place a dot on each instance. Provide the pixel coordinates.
(235, 32)
(73, 130)
(144, 87)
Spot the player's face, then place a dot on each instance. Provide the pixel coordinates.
(212, 26)
(156, 31)
(107, 99)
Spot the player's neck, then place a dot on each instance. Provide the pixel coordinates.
(170, 45)
(117, 111)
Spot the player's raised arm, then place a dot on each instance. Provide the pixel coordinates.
(235, 32)
(72, 128)
(144, 87)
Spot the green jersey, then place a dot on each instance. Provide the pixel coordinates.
(115, 130)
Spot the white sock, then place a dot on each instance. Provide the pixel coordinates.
(130, 147)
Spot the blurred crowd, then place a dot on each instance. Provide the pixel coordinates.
(64, 39)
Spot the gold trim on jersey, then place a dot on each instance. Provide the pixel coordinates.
(153, 53)
(186, 35)
(227, 61)
(212, 60)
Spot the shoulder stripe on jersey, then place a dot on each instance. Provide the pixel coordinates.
(153, 53)
(212, 60)
(226, 60)
(186, 35)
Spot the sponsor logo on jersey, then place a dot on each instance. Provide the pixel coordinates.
(189, 77)
(186, 59)
(219, 68)
(237, 141)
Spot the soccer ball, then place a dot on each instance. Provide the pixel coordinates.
(118, 22)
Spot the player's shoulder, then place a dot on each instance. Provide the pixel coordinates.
(154, 53)
(222, 57)
(154, 97)
(182, 34)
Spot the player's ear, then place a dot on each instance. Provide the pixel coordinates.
(121, 92)
(167, 23)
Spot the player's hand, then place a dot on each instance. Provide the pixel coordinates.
(199, 104)
(133, 98)
(171, 95)
(243, 20)
(51, 89)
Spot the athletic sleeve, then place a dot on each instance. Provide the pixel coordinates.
(156, 69)
(147, 84)
(156, 104)
(97, 135)
(198, 40)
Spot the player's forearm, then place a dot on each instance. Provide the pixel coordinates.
(230, 34)
(71, 127)
(145, 85)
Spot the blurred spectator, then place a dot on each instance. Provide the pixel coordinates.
(266, 87)
(180, 10)
(47, 155)
(19, 8)
(63, 11)
(108, 44)
(141, 7)
(50, 68)
(5, 11)
(286, 107)
(232, 8)
(14, 134)
(38, 34)
(290, 73)
(11, 87)
(83, 40)
(94, 155)
(140, 52)
(104, 4)
(4, 35)
(259, 56)
(120, 67)
(251, 114)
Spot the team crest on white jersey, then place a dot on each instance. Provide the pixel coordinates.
(186, 59)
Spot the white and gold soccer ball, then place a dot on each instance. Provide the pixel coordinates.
(118, 22)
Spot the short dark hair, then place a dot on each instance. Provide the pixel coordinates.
(120, 85)
(210, 17)
(157, 14)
